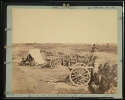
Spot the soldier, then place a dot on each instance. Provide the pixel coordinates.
(23, 58)
(94, 48)
(96, 65)
(23, 61)
(97, 78)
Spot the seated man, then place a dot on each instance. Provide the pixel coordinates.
(94, 48)
(23, 61)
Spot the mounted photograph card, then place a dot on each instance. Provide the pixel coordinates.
(64, 51)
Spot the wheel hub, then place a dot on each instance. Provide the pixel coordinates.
(79, 75)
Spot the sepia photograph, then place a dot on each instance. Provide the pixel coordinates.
(64, 51)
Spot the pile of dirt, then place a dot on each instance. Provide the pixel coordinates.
(103, 57)
(105, 79)
(61, 85)
(112, 90)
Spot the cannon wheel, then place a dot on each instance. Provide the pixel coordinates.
(53, 63)
(80, 76)
(58, 61)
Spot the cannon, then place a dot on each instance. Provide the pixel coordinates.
(52, 61)
(81, 68)
(70, 59)
(80, 74)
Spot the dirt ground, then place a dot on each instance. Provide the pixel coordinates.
(37, 80)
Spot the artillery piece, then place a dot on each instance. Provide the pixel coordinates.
(51, 60)
(81, 68)
(80, 74)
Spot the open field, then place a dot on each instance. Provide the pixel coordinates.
(27, 79)
(41, 80)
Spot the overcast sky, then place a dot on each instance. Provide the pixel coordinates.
(64, 26)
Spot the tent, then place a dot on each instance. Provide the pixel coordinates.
(36, 55)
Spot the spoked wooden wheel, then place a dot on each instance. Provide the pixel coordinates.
(58, 61)
(53, 64)
(80, 76)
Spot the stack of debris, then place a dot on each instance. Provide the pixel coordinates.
(105, 79)
(112, 90)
